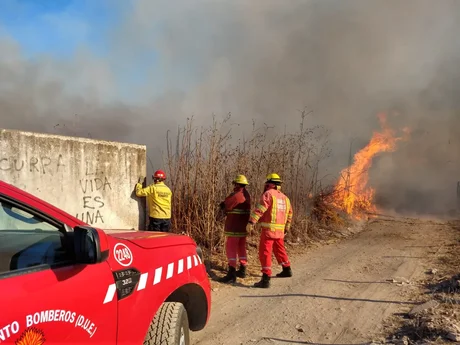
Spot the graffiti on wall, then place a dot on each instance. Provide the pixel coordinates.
(90, 179)
(92, 186)
(41, 165)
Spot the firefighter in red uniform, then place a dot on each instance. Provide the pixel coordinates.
(274, 214)
(237, 207)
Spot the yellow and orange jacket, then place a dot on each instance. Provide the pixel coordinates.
(158, 199)
(273, 212)
(237, 207)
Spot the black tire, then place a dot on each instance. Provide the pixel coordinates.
(169, 327)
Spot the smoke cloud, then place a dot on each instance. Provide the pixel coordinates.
(264, 60)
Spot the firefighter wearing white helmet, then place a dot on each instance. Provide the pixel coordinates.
(237, 207)
(274, 214)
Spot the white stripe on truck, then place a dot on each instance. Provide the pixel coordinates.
(157, 274)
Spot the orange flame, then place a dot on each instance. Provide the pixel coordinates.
(351, 193)
(31, 336)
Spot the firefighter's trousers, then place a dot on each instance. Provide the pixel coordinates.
(266, 245)
(235, 248)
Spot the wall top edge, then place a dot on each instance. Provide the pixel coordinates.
(74, 139)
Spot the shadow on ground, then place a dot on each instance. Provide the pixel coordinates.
(286, 341)
(332, 298)
(356, 282)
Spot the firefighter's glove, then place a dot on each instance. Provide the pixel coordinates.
(141, 179)
(286, 230)
(222, 205)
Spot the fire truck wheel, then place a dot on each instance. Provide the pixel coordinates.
(169, 326)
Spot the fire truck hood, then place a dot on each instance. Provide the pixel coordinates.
(148, 239)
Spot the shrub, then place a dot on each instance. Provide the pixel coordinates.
(202, 162)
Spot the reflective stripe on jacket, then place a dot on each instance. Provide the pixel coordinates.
(273, 212)
(158, 199)
(237, 208)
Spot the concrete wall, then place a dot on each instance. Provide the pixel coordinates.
(90, 179)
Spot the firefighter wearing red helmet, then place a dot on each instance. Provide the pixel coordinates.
(159, 198)
(274, 214)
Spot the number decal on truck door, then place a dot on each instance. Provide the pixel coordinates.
(123, 254)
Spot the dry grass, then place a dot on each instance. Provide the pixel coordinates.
(203, 161)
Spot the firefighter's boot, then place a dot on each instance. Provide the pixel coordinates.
(241, 273)
(264, 282)
(285, 273)
(230, 277)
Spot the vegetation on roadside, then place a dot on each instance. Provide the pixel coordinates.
(202, 161)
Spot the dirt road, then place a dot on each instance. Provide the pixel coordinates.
(340, 293)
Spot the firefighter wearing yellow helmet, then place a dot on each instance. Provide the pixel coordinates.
(274, 178)
(237, 207)
(274, 214)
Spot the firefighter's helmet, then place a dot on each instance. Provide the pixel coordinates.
(274, 178)
(241, 179)
(159, 175)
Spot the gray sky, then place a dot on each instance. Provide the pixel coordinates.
(264, 60)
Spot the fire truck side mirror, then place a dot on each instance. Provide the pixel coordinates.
(87, 245)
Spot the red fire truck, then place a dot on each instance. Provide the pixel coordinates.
(65, 282)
